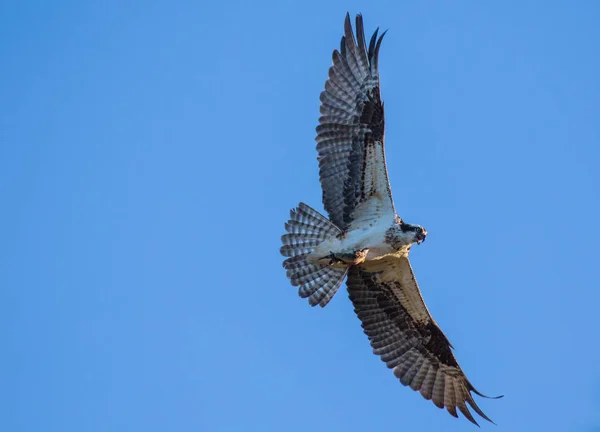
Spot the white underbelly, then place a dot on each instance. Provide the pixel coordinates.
(371, 238)
(379, 251)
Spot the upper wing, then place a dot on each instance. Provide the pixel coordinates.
(388, 301)
(351, 157)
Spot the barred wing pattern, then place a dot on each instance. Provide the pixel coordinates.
(350, 132)
(388, 302)
(356, 192)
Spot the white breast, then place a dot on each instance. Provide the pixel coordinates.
(369, 237)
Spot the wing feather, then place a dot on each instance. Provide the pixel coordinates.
(388, 302)
(349, 139)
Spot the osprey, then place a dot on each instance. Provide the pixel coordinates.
(364, 239)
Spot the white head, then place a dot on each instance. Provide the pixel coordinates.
(416, 232)
(402, 235)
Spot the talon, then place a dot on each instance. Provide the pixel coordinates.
(349, 258)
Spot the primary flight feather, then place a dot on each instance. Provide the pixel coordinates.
(364, 239)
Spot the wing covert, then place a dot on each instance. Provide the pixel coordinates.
(388, 302)
(351, 130)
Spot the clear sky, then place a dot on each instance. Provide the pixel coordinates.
(150, 153)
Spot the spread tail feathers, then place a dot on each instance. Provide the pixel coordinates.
(306, 229)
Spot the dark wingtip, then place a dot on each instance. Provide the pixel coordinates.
(465, 411)
(347, 23)
(488, 397)
(478, 393)
(358, 20)
(478, 410)
(490, 420)
(372, 43)
(376, 53)
(473, 404)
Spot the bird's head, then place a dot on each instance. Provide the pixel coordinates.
(417, 231)
(420, 234)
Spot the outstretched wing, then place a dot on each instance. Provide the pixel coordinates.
(388, 301)
(350, 146)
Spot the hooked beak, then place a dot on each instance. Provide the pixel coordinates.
(421, 237)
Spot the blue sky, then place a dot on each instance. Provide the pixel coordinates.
(150, 153)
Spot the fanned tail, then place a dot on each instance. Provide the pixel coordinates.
(306, 229)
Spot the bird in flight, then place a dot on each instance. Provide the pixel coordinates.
(364, 239)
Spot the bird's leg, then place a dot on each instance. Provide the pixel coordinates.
(347, 258)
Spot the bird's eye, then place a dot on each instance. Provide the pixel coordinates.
(419, 230)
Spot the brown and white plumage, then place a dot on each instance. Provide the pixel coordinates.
(350, 131)
(363, 223)
(307, 229)
(388, 301)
